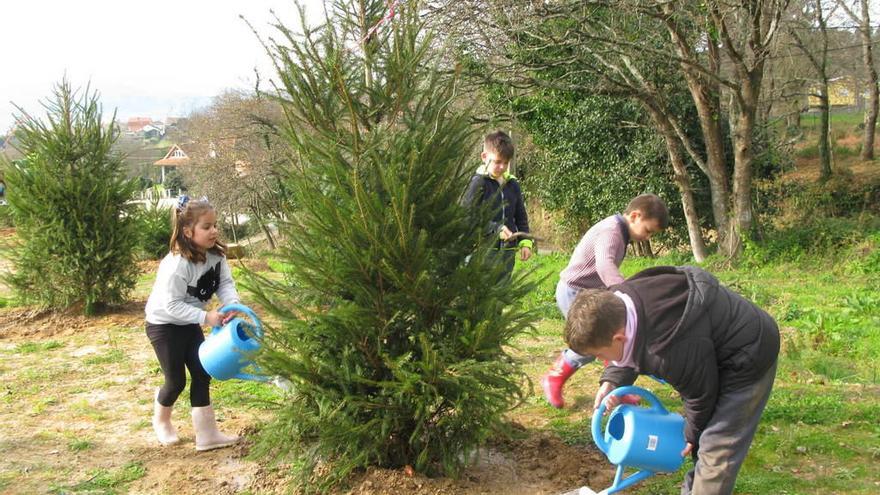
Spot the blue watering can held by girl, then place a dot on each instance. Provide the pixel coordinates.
(227, 350)
(649, 439)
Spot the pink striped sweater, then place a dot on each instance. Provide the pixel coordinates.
(595, 263)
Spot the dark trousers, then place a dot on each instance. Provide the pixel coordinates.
(725, 441)
(177, 347)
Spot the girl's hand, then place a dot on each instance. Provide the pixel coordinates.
(230, 315)
(214, 318)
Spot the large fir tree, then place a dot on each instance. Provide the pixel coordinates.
(69, 198)
(395, 339)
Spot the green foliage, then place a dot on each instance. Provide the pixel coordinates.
(544, 270)
(395, 341)
(241, 231)
(811, 151)
(79, 445)
(107, 481)
(68, 198)
(155, 230)
(5, 217)
(31, 347)
(174, 181)
(819, 236)
(864, 259)
(590, 164)
(839, 120)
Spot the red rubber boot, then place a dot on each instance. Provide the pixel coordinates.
(554, 380)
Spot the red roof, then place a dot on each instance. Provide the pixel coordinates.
(135, 124)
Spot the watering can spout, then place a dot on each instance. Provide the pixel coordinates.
(253, 378)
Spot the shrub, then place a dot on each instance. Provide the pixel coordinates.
(817, 236)
(69, 200)
(5, 216)
(155, 231)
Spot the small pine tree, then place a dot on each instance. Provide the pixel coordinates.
(68, 197)
(395, 340)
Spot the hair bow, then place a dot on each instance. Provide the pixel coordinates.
(182, 200)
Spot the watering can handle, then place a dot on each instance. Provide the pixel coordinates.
(596, 425)
(258, 327)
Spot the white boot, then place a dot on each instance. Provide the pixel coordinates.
(165, 431)
(207, 435)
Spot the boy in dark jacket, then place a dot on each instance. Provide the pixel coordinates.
(716, 349)
(493, 183)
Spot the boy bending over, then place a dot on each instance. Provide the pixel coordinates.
(716, 349)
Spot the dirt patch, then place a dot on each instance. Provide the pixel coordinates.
(255, 264)
(850, 141)
(148, 266)
(537, 464)
(76, 411)
(27, 323)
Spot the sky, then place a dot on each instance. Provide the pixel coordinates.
(154, 58)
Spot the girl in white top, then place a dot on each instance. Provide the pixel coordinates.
(193, 271)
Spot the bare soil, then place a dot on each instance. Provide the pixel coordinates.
(77, 398)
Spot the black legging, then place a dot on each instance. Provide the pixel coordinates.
(177, 346)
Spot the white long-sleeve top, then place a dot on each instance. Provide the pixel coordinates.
(183, 288)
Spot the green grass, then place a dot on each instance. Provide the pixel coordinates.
(111, 356)
(839, 119)
(105, 481)
(33, 347)
(244, 394)
(819, 432)
(79, 445)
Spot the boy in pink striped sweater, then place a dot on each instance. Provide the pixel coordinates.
(595, 264)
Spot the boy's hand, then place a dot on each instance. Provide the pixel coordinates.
(525, 253)
(614, 400)
(604, 390)
(214, 318)
(504, 233)
(687, 449)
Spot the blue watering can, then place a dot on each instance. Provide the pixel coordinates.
(224, 353)
(649, 439)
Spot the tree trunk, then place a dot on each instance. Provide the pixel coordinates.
(719, 185)
(824, 132)
(708, 110)
(643, 248)
(743, 155)
(873, 96)
(706, 94)
(682, 180)
(793, 119)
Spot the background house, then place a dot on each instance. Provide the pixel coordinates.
(175, 157)
(843, 92)
(137, 124)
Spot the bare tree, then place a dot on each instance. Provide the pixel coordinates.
(235, 142)
(862, 17)
(817, 13)
(716, 47)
